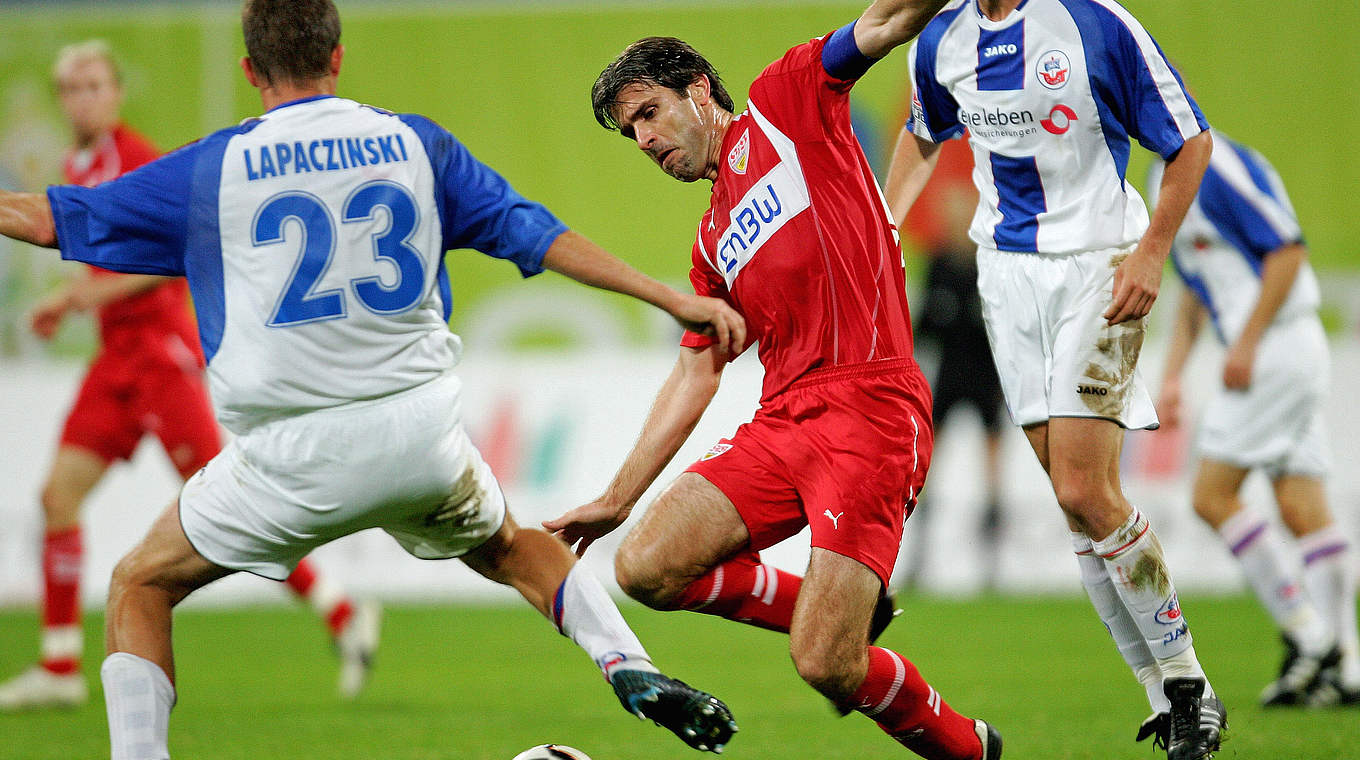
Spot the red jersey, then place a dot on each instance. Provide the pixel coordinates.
(124, 324)
(797, 236)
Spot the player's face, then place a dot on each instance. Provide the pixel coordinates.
(90, 96)
(667, 127)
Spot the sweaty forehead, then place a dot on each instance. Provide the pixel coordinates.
(634, 94)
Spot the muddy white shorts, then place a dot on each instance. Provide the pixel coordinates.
(402, 463)
(1276, 424)
(1054, 353)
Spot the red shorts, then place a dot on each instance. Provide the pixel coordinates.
(126, 396)
(844, 451)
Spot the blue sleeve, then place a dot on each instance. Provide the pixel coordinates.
(137, 223)
(841, 57)
(1132, 76)
(934, 112)
(1239, 217)
(479, 209)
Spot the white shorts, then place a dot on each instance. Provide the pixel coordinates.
(1054, 353)
(402, 463)
(1275, 424)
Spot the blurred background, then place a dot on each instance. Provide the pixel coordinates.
(559, 378)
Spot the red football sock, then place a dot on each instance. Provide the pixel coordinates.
(62, 554)
(326, 598)
(744, 590)
(910, 710)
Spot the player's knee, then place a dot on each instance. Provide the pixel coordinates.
(1084, 498)
(825, 669)
(60, 508)
(639, 581)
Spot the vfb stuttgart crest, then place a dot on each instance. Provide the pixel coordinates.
(1053, 69)
(737, 158)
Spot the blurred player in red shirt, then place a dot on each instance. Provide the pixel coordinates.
(799, 240)
(146, 379)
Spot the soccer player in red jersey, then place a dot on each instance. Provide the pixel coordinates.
(146, 379)
(798, 239)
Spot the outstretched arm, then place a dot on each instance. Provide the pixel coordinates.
(27, 217)
(1138, 279)
(889, 23)
(913, 161)
(677, 409)
(577, 257)
(86, 294)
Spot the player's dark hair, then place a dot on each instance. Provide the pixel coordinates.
(664, 61)
(290, 40)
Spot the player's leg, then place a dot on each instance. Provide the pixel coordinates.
(691, 551)
(56, 681)
(830, 648)
(1083, 457)
(546, 573)
(1329, 576)
(1100, 589)
(139, 671)
(176, 398)
(1271, 573)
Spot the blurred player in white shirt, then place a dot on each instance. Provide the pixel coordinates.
(313, 240)
(1070, 262)
(1242, 256)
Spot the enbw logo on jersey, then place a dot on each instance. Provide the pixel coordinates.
(772, 201)
(736, 160)
(1170, 613)
(1052, 69)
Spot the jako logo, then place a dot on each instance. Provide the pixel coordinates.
(1000, 50)
(1092, 390)
(1059, 120)
(1170, 613)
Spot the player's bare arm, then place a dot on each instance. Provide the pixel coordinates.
(913, 161)
(677, 409)
(1138, 279)
(1189, 318)
(889, 23)
(577, 257)
(27, 217)
(1278, 272)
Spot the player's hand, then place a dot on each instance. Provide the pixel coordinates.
(1169, 403)
(714, 318)
(46, 317)
(1237, 365)
(1136, 284)
(581, 526)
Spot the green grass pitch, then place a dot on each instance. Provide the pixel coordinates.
(484, 682)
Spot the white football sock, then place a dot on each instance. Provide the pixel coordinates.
(1133, 558)
(1329, 575)
(1265, 563)
(583, 611)
(138, 696)
(1127, 638)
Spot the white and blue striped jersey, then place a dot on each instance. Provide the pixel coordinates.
(1050, 97)
(1241, 214)
(313, 240)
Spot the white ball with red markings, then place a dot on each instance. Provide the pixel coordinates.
(552, 752)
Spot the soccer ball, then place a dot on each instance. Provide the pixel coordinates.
(552, 752)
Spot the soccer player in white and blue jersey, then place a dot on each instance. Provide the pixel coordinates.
(312, 239)
(1242, 256)
(1051, 93)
